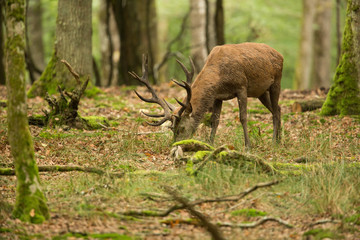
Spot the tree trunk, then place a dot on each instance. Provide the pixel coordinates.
(219, 23)
(109, 44)
(2, 65)
(304, 62)
(198, 33)
(322, 45)
(35, 44)
(73, 43)
(344, 95)
(136, 21)
(30, 203)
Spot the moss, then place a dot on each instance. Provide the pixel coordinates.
(344, 95)
(95, 122)
(194, 142)
(319, 234)
(248, 213)
(200, 155)
(189, 168)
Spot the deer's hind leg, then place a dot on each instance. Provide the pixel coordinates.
(215, 118)
(265, 100)
(242, 101)
(274, 92)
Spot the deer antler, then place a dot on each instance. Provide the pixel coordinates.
(186, 85)
(154, 99)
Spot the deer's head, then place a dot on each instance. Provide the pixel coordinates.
(180, 118)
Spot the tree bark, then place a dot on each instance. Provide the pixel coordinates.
(136, 21)
(219, 23)
(109, 44)
(322, 45)
(304, 62)
(73, 43)
(30, 205)
(344, 95)
(2, 65)
(198, 33)
(35, 44)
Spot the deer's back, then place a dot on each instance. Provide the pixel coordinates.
(229, 67)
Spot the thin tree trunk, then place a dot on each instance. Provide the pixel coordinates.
(73, 43)
(198, 33)
(344, 95)
(219, 23)
(2, 63)
(338, 31)
(322, 45)
(30, 205)
(304, 62)
(136, 21)
(35, 36)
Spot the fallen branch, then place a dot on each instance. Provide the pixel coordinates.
(324, 221)
(304, 106)
(231, 198)
(195, 222)
(257, 223)
(11, 172)
(212, 228)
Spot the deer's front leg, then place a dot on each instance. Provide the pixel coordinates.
(242, 101)
(215, 119)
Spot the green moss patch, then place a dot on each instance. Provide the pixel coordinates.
(319, 234)
(248, 213)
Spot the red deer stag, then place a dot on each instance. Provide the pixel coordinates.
(234, 70)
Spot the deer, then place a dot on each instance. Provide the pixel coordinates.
(230, 71)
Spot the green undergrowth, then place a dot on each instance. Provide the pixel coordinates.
(319, 234)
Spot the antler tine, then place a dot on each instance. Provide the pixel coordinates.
(189, 75)
(154, 99)
(153, 115)
(187, 104)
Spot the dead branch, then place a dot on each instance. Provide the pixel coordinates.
(212, 229)
(71, 70)
(257, 223)
(57, 168)
(304, 106)
(324, 221)
(231, 198)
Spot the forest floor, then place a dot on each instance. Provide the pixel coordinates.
(318, 193)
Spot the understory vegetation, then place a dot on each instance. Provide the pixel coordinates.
(317, 163)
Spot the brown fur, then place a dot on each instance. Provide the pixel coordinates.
(234, 70)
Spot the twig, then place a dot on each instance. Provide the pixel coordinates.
(212, 229)
(72, 71)
(257, 223)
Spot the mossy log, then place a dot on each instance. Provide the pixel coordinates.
(64, 109)
(304, 106)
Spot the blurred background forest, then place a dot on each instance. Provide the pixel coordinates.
(306, 32)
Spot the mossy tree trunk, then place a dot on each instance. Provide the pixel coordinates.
(137, 25)
(344, 95)
(30, 203)
(73, 43)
